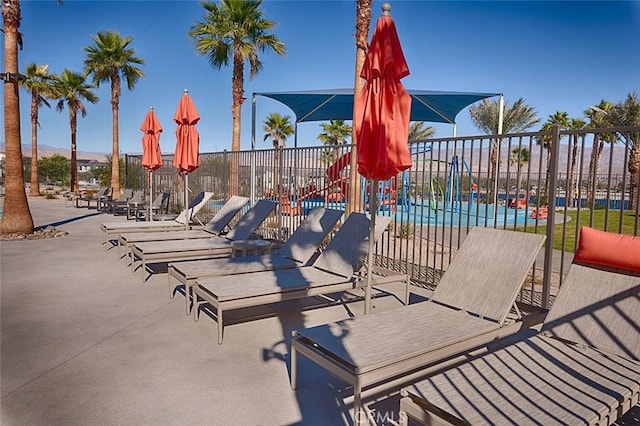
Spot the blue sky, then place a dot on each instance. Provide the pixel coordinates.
(556, 55)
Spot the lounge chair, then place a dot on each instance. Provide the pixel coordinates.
(160, 205)
(188, 214)
(583, 367)
(200, 248)
(100, 197)
(112, 205)
(335, 270)
(71, 197)
(122, 208)
(297, 251)
(468, 309)
(213, 228)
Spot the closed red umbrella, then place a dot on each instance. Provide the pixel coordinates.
(151, 155)
(187, 155)
(381, 115)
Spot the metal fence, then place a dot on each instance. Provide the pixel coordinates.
(547, 182)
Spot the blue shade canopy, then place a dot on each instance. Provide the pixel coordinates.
(337, 104)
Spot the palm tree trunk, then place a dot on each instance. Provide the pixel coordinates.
(35, 182)
(547, 177)
(494, 170)
(237, 89)
(363, 21)
(593, 165)
(572, 170)
(594, 169)
(16, 217)
(74, 155)
(115, 149)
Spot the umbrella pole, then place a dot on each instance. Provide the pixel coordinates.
(149, 216)
(186, 201)
(373, 201)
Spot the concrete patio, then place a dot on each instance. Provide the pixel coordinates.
(85, 342)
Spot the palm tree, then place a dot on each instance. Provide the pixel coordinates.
(112, 59)
(335, 133)
(627, 113)
(278, 128)
(235, 31)
(71, 88)
(599, 118)
(363, 22)
(520, 157)
(417, 131)
(16, 216)
(559, 118)
(574, 124)
(516, 118)
(38, 83)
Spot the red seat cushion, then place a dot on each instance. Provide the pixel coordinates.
(608, 249)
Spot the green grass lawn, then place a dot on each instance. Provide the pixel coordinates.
(617, 221)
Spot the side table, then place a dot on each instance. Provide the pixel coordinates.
(244, 247)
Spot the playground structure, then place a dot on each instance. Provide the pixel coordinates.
(452, 194)
(449, 198)
(336, 190)
(391, 192)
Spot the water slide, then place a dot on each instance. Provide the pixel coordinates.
(335, 170)
(333, 173)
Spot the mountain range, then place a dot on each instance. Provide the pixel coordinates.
(49, 151)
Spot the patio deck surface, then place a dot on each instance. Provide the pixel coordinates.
(83, 341)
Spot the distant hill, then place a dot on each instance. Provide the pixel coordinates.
(49, 151)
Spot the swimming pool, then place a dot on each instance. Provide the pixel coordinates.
(463, 215)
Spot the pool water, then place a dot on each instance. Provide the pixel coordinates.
(464, 215)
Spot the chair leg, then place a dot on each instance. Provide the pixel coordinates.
(220, 325)
(170, 289)
(195, 309)
(294, 365)
(188, 295)
(359, 413)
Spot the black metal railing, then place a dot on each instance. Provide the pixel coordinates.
(510, 181)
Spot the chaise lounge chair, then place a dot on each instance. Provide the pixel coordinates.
(583, 367)
(160, 205)
(200, 248)
(188, 214)
(297, 251)
(100, 197)
(122, 208)
(213, 228)
(335, 270)
(468, 309)
(112, 206)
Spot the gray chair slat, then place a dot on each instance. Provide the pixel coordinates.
(347, 249)
(598, 308)
(308, 236)
(488, 271)
(222, 218)
(251, 220)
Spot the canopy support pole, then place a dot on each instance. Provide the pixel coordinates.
(253, 149)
